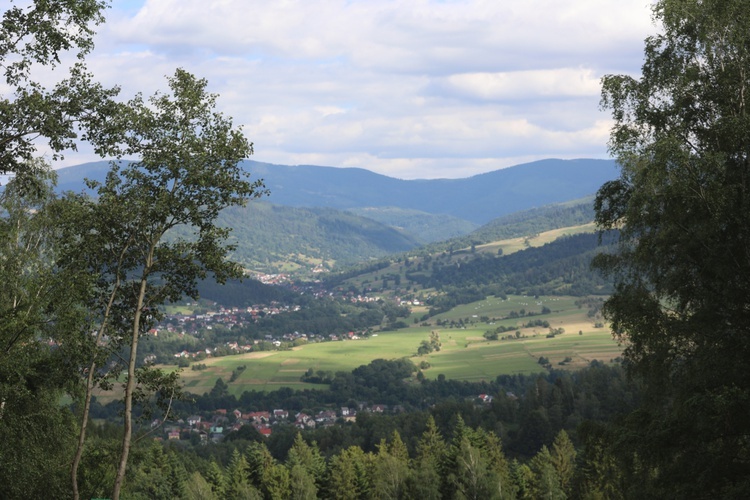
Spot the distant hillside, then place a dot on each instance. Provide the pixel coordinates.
(478, 199)
(235, 293)
(524, 223)
(270, 237)
(304, 225)
(561, 266)
(424, 227)
(537, 220)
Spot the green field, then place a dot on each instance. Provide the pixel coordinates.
(513, 245)
(465, 354)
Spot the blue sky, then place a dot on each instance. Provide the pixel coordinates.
(406, 88)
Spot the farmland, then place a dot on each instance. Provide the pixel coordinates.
(465, 353)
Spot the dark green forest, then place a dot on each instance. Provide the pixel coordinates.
(270, 233)
(520, 224)
(514, 439)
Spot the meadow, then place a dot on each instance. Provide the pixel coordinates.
(465, 354)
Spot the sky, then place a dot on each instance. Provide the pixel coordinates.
(412, 89)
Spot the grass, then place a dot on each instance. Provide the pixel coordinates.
(513, 245)
(465, 354)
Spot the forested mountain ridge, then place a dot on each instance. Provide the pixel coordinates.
(339, 217)
(520, 224)
(271, 236)
(423, 226)
(477, 199)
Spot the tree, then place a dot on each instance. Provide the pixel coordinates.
(350, 476)
(307, 457)
(39, 35)
(471, 476)
(391, 469)
(38, 310)
(682, 207)
(237, 484)
(215, 479)
(546, 483)
(197, 488)
(301, 484)
(187, 172)
(424, 482)
(563, 458)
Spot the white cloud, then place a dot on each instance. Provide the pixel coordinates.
(545, 83)
(409, 88)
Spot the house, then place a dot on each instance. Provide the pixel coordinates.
(265, 431)
(348, 414)
(258, 416)
(193, 420)
(304, 421)
(326, 418)
(174, 435)
(280, 414)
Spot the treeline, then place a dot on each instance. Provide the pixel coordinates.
(317, 316)
(559, 267)
(551, 427)
(520, 224)
(324, 316)
(526, 410)
(236, 293)
(461, 463)
(535, 221)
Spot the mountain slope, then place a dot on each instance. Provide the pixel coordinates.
(477, 199)
(423, 226)
(268, 236)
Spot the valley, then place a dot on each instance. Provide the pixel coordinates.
(465, 354)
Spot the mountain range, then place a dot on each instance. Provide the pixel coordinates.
(340, 216)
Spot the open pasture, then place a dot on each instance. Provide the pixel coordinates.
(274, 369)
(513, 245)
(465, 353)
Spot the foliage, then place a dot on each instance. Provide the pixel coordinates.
(187, 173)
(680, 303)
(40, 34)
(39, 314)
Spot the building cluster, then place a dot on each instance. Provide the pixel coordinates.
(213, 427)
(234, 317)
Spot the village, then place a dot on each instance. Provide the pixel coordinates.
(201, 324)
(195, 325)
(215, 426)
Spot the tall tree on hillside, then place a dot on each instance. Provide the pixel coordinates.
(187, 172)
(682, 270)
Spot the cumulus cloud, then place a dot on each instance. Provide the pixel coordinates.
(409, 88)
